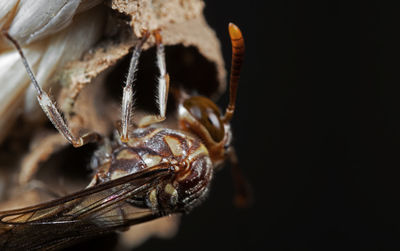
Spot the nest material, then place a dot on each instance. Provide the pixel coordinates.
(181, 23)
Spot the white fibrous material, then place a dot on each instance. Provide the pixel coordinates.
(51, 33)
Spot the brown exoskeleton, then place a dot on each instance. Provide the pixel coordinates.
(146, 173)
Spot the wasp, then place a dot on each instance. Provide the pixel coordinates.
(146, 172)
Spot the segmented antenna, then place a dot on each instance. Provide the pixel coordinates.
(237, 61)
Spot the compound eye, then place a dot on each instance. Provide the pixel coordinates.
(207, 113)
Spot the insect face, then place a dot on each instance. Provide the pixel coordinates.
(202, 117)
(203, 112)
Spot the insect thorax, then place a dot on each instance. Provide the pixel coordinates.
(150, 147)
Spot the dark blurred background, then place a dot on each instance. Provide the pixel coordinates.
(317, 130)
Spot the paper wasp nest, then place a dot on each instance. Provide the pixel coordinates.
(77, 50)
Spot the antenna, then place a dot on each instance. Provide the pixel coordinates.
(236, 65)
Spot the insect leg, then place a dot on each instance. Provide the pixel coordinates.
(237, 60)
(243, 194)
(163, 80)
(127, 96)
(50, 108)
(163, 86)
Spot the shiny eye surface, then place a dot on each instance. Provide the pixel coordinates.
(207, 113)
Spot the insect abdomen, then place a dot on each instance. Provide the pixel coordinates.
(186, 155)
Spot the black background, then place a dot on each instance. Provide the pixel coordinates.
(317, 130)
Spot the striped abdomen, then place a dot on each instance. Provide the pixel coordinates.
(186, 155)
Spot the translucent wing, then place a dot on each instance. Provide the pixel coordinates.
(94, 211)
